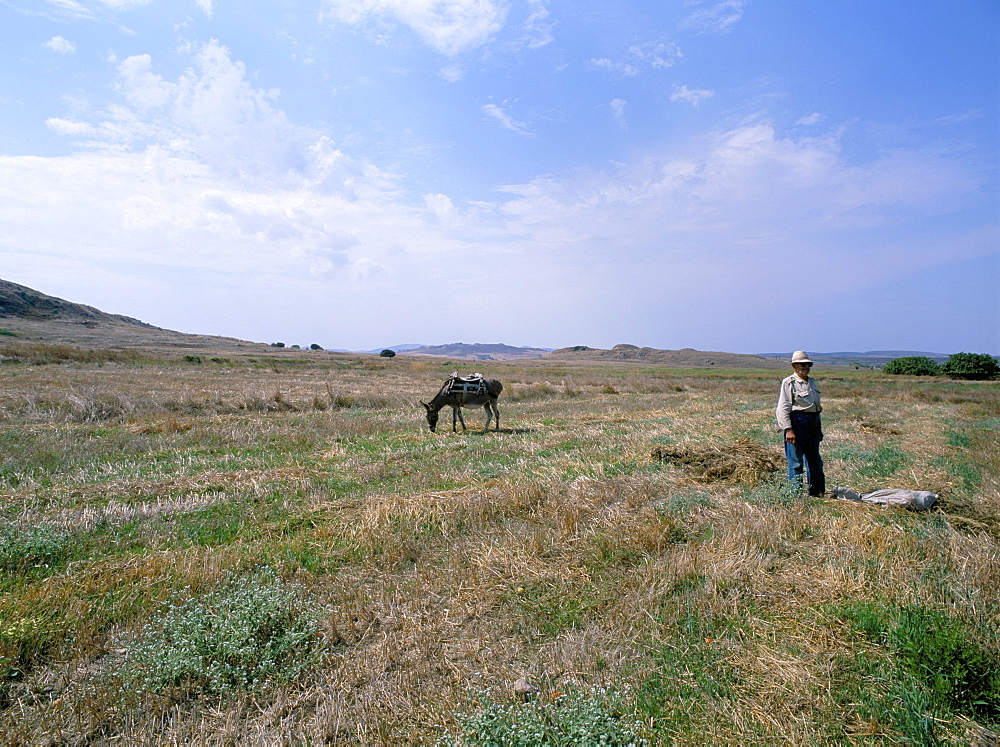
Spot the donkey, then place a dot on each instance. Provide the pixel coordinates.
(470, 391)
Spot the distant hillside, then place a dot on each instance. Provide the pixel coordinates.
(30, 316)
(477, 351)
(21, 302)
(686, 358)
(876, 358)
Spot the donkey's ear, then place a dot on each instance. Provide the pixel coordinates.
(425, 404)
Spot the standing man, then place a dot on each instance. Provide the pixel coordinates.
(798, 416)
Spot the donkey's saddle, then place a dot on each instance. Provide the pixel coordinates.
(467, 385)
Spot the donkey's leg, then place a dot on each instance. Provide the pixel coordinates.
(458, 411)
(489, 415)
(496, 413)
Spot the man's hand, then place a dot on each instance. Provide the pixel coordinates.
(790, 435)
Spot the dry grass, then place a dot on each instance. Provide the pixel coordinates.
(622, 529)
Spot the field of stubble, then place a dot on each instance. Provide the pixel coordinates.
(277, 551)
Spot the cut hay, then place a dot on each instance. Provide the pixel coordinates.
(742, 462)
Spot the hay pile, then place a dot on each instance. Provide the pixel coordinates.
(742, 462)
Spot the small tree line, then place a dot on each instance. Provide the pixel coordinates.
(972, 366)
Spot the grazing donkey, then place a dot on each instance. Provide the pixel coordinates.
(470, 391)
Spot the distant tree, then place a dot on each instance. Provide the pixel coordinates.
(387, 353)
(277, 344)
(314, 346)
(913, 365)
(976, 366)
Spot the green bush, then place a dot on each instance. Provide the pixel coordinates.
(247, 633)
(913, 365)
(25, 547)
(974, 366)
(577, 717)
(387, 353)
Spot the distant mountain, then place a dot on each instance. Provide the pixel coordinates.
(685, 358)
(877, 358)
(394, 348)
(475, 351)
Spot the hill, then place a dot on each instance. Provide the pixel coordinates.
(477, 351)
(875, 358)
(29, 316)
(685, 358)
(21, 302)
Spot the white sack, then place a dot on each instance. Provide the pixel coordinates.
(915, 500)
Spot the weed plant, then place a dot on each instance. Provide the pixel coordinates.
(251, 632)
(576, 717)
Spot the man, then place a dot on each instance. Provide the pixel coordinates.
(798, 416)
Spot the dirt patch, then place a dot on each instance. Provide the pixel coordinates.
(880, 428)
(743, 461)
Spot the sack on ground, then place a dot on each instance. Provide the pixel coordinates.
(914, 500)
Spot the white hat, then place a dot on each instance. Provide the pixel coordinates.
(800, 356)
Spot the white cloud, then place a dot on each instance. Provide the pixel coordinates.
(452, 73)
(211, 114)
(207, 6)
(70, 7)
(715, 16)
(657, 54)
(537, 27)
(691, 96)
(495, 112)
(619, 68)
(58, 44)
(450, 27)
(618, 112)
(121, 4)
(810, 119)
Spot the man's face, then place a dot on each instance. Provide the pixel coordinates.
(802, 369)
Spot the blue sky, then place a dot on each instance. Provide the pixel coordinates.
(733, 175)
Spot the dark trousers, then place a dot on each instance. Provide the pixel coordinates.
(803, 455)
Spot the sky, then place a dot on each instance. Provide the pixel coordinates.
(734, 175)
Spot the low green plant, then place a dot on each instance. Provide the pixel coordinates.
(22, 548)
(247, 633)
(594, 716)
(775, 492)
(927, 662)
(957, 674)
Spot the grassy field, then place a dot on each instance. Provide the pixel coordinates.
(232, 550)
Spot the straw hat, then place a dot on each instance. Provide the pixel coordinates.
(800, 356)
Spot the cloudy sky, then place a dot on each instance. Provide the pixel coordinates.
(738, 175)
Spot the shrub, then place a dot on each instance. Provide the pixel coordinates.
(913, 365)
(24, 547)
(974, 366)
(594, 716)
(315, 346)
(249, 632)
(387, 353)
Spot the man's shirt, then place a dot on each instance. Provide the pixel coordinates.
(796, 396)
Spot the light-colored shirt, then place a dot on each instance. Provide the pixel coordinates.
(796, 396)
